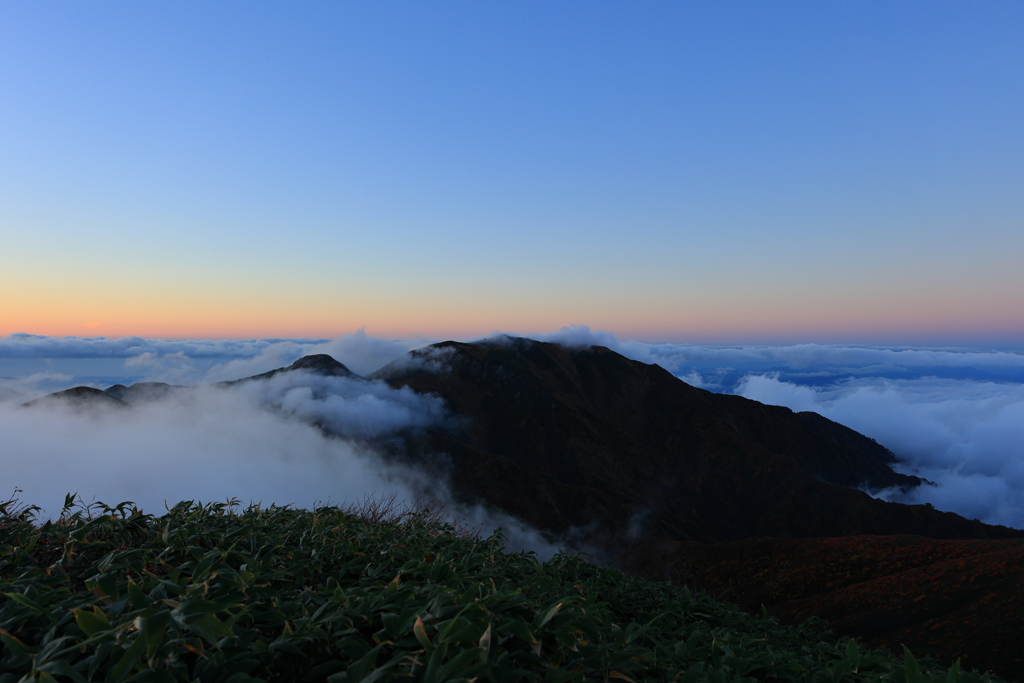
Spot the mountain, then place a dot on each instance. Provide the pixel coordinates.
(151, 391)
(79, 398)
(142, 391)
(751, 503)
(589, 444)
(320, 364)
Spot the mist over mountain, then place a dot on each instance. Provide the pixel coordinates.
(950, 415)
(607, 446)
(564, 445)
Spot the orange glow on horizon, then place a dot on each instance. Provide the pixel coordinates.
(698, 326)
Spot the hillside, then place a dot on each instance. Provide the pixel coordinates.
(950, 599)
(608, 446)
(79, 398)
(211, 594)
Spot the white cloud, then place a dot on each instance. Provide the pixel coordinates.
(34, 385)
(256, 441)
(38, 346)
(212, 446)
(363, 354)
(270, 357)
(581, 336)
(851, 360)
(351, 408)
(429, 359)
(966, 436)
(193, 361)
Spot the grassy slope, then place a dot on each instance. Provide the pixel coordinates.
(278, 594)
(951, 599)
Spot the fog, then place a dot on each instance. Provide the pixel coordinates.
(35, 365)
(258, 441)
(966, 436)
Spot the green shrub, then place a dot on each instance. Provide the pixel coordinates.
(213, 593)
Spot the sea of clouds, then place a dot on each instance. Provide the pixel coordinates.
(953, 416)
(296, 438)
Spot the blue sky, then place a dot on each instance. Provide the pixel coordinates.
(671, 172)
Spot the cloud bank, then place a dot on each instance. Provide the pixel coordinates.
(295, 439)
(35, 365)
(966, 436)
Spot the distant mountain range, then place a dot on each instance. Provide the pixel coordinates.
(670, 481)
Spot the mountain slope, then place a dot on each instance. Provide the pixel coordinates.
(950, 599)
(320, 364)
(574, 439)
(78, 398)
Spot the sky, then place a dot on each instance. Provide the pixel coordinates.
(716, 173)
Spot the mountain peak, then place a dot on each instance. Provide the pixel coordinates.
(599, 438)
(318, 364)
(322, 364)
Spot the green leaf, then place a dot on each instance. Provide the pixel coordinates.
(549, 615)
(197, 607)
(137, 597)
(62, 668)
(420, 631)
(911, 668)
(518, 629)
(954, 673)
(359, 671)
(154, 628)
(485, 644)
(693, 673)
(562, 675)
(15, 645)
(27, 602)
(457, 663)
(91, 623)
(212, 627)
(839, 670)
(435, 662)
(853, 654)
(128, 659)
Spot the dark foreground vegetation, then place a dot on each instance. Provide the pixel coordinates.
(210, 593)
(950, 599)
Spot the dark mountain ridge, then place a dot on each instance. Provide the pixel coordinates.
(320, 364)
(626, 449)
(749, 502)
(142, 391)
(79, 398)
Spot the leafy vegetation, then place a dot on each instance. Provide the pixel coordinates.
(215, 593)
